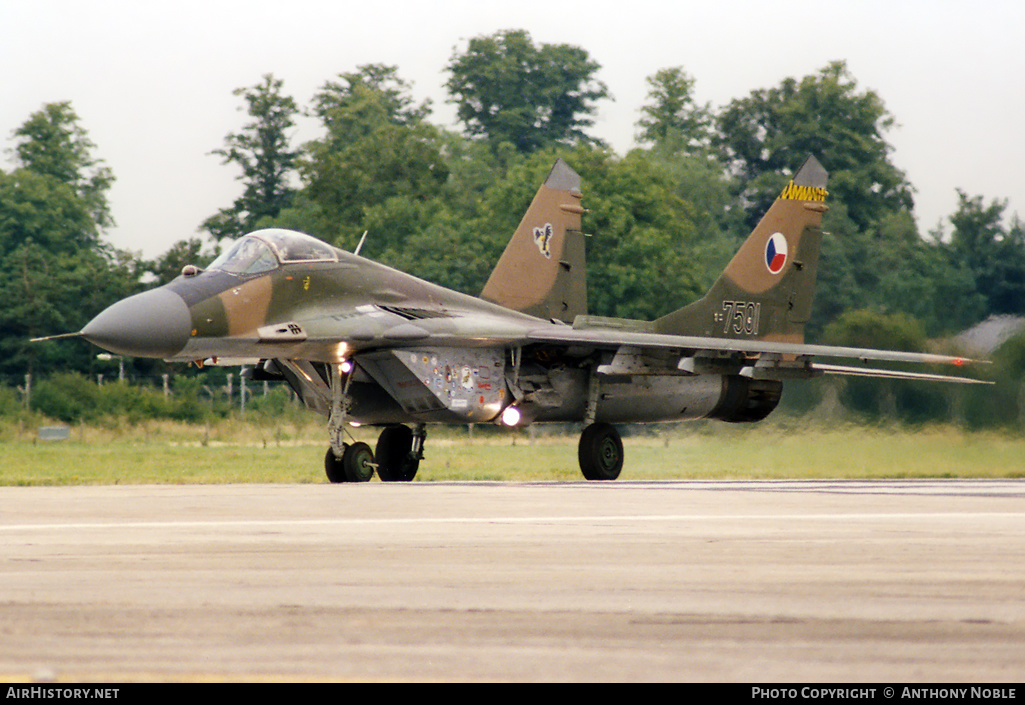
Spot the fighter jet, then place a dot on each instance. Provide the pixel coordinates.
(365, 344)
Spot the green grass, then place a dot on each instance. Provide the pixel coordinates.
(232, 452)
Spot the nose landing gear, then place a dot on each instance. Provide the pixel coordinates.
(355, 465)
(397, 457)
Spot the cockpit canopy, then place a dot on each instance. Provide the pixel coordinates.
(264, 250)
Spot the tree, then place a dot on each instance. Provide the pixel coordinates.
(506, 89)
(773, 130)
(42, 209)
(639, 258)
(53, 143)
(392, 91)
(889, 268)
(992, 252)
(673, 116)
(911, 401)
(170, 264)
(55, 273)
(47, 293)
(262, 151)
(376, 148)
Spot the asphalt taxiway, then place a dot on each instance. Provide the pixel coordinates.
(693, 580)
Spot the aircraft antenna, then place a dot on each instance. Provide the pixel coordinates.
(361, 241)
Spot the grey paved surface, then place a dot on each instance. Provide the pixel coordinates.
(730, 581)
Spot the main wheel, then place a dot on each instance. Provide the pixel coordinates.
(600, 452)
(394, 453)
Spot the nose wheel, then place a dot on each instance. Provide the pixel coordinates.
(356, 464)
(397, 457)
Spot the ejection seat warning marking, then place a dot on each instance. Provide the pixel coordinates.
(742, 316)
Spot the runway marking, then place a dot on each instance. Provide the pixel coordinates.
(254, 523)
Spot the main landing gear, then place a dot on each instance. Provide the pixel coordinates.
(600, 452)
(396, 458)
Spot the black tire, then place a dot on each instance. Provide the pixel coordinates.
(600, 452)
(334, 468)
(358, 462)
(394, 453)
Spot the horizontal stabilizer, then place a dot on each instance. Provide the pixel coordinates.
(893, 374)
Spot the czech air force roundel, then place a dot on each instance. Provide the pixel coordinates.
(776, 253)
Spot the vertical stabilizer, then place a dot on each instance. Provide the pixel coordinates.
(542, 271)
(765, 293)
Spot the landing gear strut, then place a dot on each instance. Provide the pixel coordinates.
(600, 452)
(345, 462)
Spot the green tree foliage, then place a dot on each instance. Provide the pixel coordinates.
(376, 148)
(73, 398)
(641, 260)
(1003, 404)
(46, 294)
(889, 268)
(55, 273)
(673, 118)
(772, 130)
(393, 93)
(40, 208)
(910, 401)
(54, 144)
(263, 153)
(169, 265)
(642, 231)
(507, 89)
(993, 254)
(665, 218)
(873, 256)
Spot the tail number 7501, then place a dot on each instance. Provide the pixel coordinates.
(740, 316)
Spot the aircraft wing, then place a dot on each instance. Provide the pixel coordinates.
(759, 358)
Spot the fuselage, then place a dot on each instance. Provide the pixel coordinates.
(413, 352)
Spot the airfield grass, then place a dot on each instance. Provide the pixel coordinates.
(235, 452)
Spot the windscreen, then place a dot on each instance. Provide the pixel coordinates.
(296, 247)
(249, 255)
(264, 250)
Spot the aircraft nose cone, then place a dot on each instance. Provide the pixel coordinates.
(154, 323)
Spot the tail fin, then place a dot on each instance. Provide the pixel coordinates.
(541, 272)
(766, 291)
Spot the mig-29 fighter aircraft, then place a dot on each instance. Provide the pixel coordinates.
(363, 343)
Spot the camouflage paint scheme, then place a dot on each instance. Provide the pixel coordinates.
(361, 342)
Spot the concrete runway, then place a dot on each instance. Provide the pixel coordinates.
(683, 581)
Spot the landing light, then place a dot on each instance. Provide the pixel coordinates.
(346, 366)
(511, 416)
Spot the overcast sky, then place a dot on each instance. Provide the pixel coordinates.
(152, 81)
